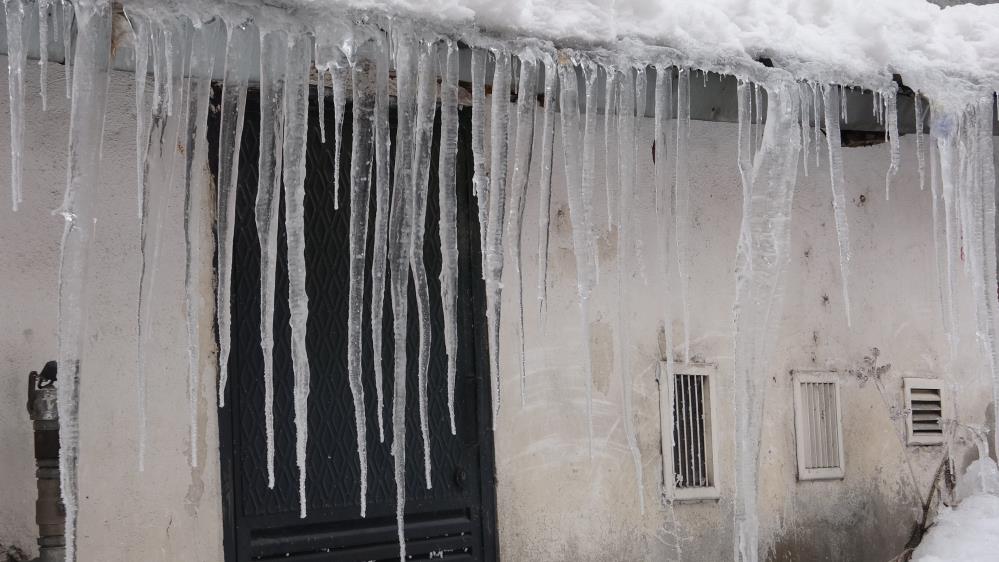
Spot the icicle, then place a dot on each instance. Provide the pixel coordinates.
(626, 145)
(581, 229)
(493, 246)
(150, 236)
(83, 183)
(17, 56)
(480, 177)
(339, 72)
(448, 205)
(946, 125)
(829, 95)
(664, 215)
(804, 97)
(383, 177)
(611, 163)
(364, 93)
(66, 28)
(891, 110)
(295, 137)
(681, 196)
(920, 140)
(239, 41)
(423, 135)
(196, 153)
(321, 71)
(589, 175)
(273, 62)
(940, 253)
(140, 34)
(523, 154)
(757, 310)
(745, 163)
(43, 50)
(978, 192)
(842, 103)
(545, 197)
(817, 116)
(400, 250)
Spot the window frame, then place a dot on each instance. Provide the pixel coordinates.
(910, 383)
(666, 408)
(827, 473)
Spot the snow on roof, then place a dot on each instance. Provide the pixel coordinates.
(949, 53)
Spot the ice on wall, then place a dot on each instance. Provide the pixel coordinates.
(239, 52)
(273, 60)
(762, 261)
(363, 75)
(17, 56)
(448, 205)
(89, 104)
(361, 64)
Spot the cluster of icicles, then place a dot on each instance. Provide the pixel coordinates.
(364, 61)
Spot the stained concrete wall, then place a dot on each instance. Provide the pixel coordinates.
(169, 512)
(555, 503)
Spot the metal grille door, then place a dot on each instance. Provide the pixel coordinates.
(455, 520)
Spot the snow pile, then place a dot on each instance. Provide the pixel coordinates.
(842, 41)
(969, 532)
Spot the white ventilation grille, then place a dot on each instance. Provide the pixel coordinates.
(818, 429)
(925, 411)
(688, 440)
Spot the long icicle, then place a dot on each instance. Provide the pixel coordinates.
(363, 75)
(523, 153)
(581, 230)
(273, 58)
(295, 137)
(202, 67)
(917, 101)
(757, 310)
(664, 215)
(140, 38)
(89, 104)
(44, 6)
(383, 178)
(891, 115)
(500, 125)
(448, 205)
(627, 131)
(545, 187)
(681, 198)
(400, 251)
(339, 72)
(239, 41)
(150, 230)
(831, 102)
(426, 102)
(67, 17)
(17, 57)
(480, 177)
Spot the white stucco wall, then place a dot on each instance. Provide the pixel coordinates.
(170, 512)
(554, 503)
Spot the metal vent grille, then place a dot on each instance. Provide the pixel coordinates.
(925, 411)
(818, 430)
(822, 439)
(690, 434)
(926, 408)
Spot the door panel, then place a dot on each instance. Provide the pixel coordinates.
(456, 517)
